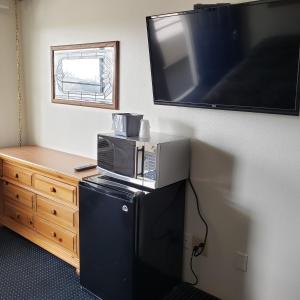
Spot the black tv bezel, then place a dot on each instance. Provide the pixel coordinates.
(293, 112)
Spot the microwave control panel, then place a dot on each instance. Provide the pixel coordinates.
(150, 165)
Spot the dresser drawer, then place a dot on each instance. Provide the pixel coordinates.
(18, 215)
(55, 213)
(17, 173)
(55, 188)
(60, 236)
(21, 196)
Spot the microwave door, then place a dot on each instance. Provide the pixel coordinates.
(117, 155)
(124, 162)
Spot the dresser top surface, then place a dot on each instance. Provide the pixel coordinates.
(49, 160)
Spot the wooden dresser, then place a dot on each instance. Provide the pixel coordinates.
(39, 198)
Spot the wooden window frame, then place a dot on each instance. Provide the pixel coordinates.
(115, 92)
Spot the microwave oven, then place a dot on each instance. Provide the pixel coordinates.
(155, 162)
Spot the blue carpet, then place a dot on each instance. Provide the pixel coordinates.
(186, 291)
(27, 272)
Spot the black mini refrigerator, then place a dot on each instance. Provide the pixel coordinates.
(131, 239)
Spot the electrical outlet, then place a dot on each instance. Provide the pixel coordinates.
(241, 261)
(190, 241)
(196, 241)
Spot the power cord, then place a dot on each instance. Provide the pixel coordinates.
(199, 249)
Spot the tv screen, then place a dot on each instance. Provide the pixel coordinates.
(239, 57)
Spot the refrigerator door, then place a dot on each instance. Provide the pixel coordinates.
(107, 241)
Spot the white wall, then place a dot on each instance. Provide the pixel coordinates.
(8, 90)
(245, 166)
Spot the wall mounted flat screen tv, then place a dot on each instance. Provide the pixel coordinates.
(237, 57)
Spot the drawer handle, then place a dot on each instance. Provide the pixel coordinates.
(54, 212)
(18, 216)
(53, 234)
(60, 240)
(17, 175)
(53, 190)
(30, 222)
(17, 196)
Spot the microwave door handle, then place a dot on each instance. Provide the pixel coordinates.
(140, 161)
(143, 161)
